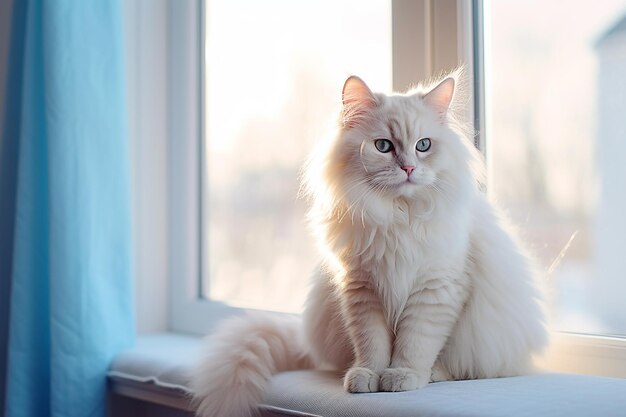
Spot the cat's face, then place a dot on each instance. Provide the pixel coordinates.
(399, 145)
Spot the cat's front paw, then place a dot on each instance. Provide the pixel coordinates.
(402, 379)
(359, 379)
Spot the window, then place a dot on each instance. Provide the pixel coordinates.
(418, 38)
(411, 39)
(557, 117)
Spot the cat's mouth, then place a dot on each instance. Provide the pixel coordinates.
(411, 181)
(411, 186)
(407, 187)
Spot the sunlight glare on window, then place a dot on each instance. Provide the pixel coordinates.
(273, 79)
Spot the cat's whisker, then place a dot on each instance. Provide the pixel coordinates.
(378, 191)
(355, 184)
(359, 199)
(371, 191)
(351, 186)
(362, 199)
(441, 187)
(361, 157)
(350, 208)
(439, 190)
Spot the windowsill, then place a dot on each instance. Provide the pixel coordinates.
(156, 370)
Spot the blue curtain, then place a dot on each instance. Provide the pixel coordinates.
(65, 272)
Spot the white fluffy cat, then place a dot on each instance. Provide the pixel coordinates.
(422, 280)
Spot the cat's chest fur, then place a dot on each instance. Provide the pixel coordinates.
(411, 252)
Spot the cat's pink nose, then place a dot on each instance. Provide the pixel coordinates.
(408, 169)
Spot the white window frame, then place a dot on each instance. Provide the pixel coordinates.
(421, 34)
(418, 51)
(188, 313)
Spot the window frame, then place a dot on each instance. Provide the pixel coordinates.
(188, 312)
(425, 54)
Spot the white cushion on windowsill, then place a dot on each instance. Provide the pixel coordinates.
(157, 368)
(163, 360)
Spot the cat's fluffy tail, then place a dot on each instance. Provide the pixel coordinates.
(239, 360)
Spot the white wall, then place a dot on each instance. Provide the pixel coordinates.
(147, 64)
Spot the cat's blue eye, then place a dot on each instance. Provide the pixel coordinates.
(383, 145)
(422, 145)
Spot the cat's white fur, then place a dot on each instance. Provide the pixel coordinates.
(422, 280)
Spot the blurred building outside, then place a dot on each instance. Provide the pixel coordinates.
(609, 251)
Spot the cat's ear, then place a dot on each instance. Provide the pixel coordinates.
(358, 100)
(440, 97)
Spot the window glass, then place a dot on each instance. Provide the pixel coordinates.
(274, 72)
(558, 149)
